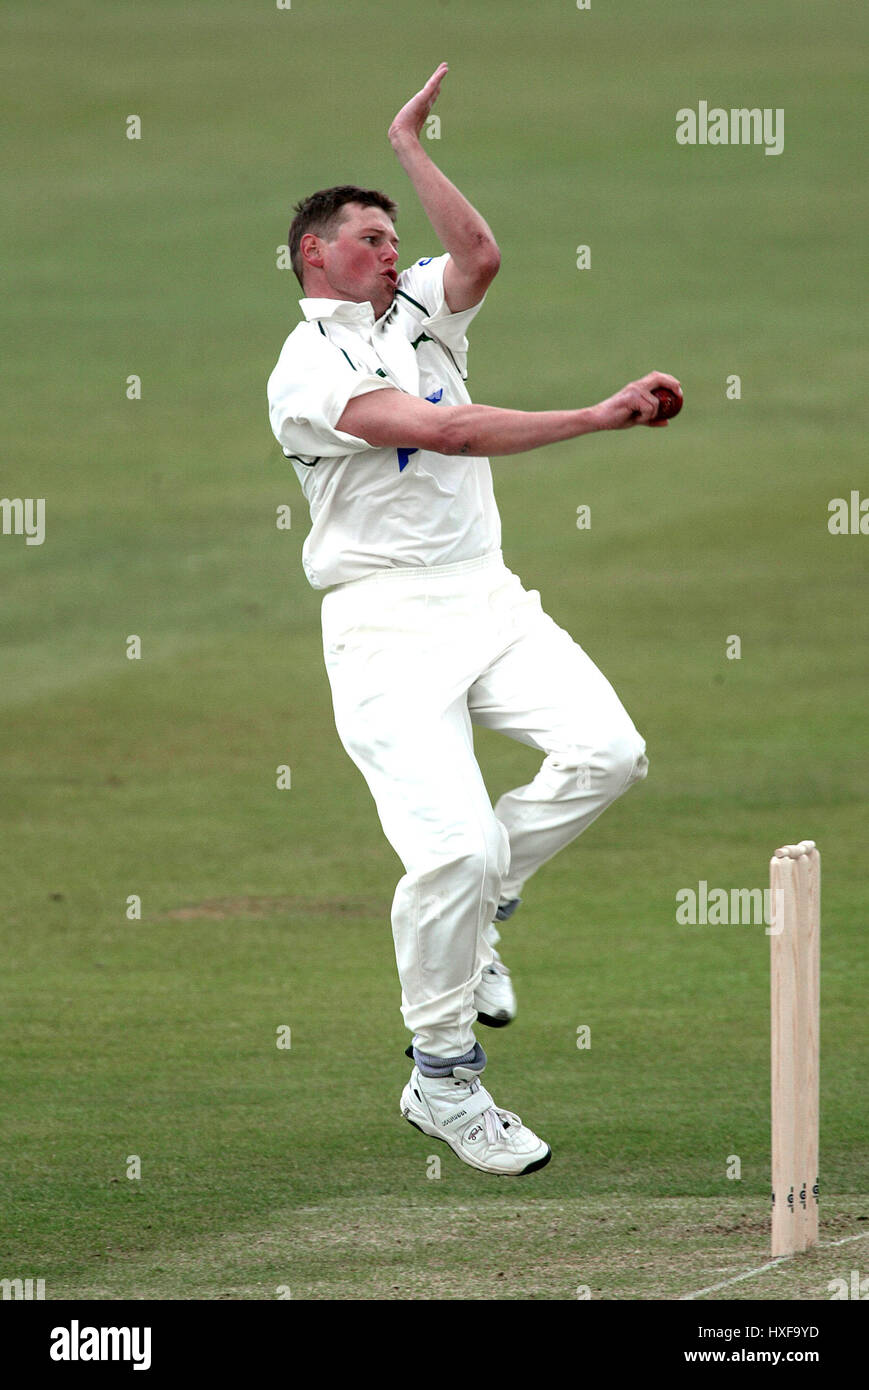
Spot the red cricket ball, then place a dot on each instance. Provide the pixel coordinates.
(670, 403)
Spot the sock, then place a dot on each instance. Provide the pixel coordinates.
(436, 1067)
(507, 909)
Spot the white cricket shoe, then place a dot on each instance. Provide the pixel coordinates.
(495, 998)
(459, 1110)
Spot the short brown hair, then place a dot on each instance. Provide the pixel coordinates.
(320, 212)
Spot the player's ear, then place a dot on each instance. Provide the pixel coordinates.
(311, 248)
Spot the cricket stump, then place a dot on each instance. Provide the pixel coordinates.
(795, 937)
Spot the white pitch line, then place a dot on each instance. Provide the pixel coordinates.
(735, 1280)
(846, 1240)
(828, 1245)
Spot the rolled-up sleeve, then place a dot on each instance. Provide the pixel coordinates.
(307, 394)
(424, 283)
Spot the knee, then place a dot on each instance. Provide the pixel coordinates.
(614, 762)
(480, 854)
(624, 760)
(490, 859)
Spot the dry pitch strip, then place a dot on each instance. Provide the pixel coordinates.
(795, 940)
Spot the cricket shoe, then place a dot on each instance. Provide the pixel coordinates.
(459, 1110)
(494, 997)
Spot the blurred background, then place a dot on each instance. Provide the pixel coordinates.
(155, 1037)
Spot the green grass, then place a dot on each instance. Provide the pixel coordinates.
(156, 1037)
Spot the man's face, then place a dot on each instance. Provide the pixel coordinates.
(359, 262)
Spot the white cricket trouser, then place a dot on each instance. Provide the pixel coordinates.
(415, 657)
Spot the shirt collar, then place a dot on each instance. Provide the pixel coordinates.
(342, 310)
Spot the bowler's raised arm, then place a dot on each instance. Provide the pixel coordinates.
(474, 254)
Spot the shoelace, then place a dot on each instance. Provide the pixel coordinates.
(496, 968)
(497, 1121)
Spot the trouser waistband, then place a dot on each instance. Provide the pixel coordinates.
(412, 573)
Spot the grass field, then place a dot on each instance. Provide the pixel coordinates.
(265, 1167)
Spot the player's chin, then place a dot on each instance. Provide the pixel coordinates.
(385, 298)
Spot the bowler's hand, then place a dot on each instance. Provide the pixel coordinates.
(413, 116)
(634, 404)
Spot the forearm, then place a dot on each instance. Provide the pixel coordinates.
(488, 431)
(388, 418)
(458, 226)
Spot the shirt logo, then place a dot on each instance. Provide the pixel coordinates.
(404, 454)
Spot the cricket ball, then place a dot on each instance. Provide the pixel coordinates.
(669, 403)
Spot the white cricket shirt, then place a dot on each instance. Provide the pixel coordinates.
(375, 508)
